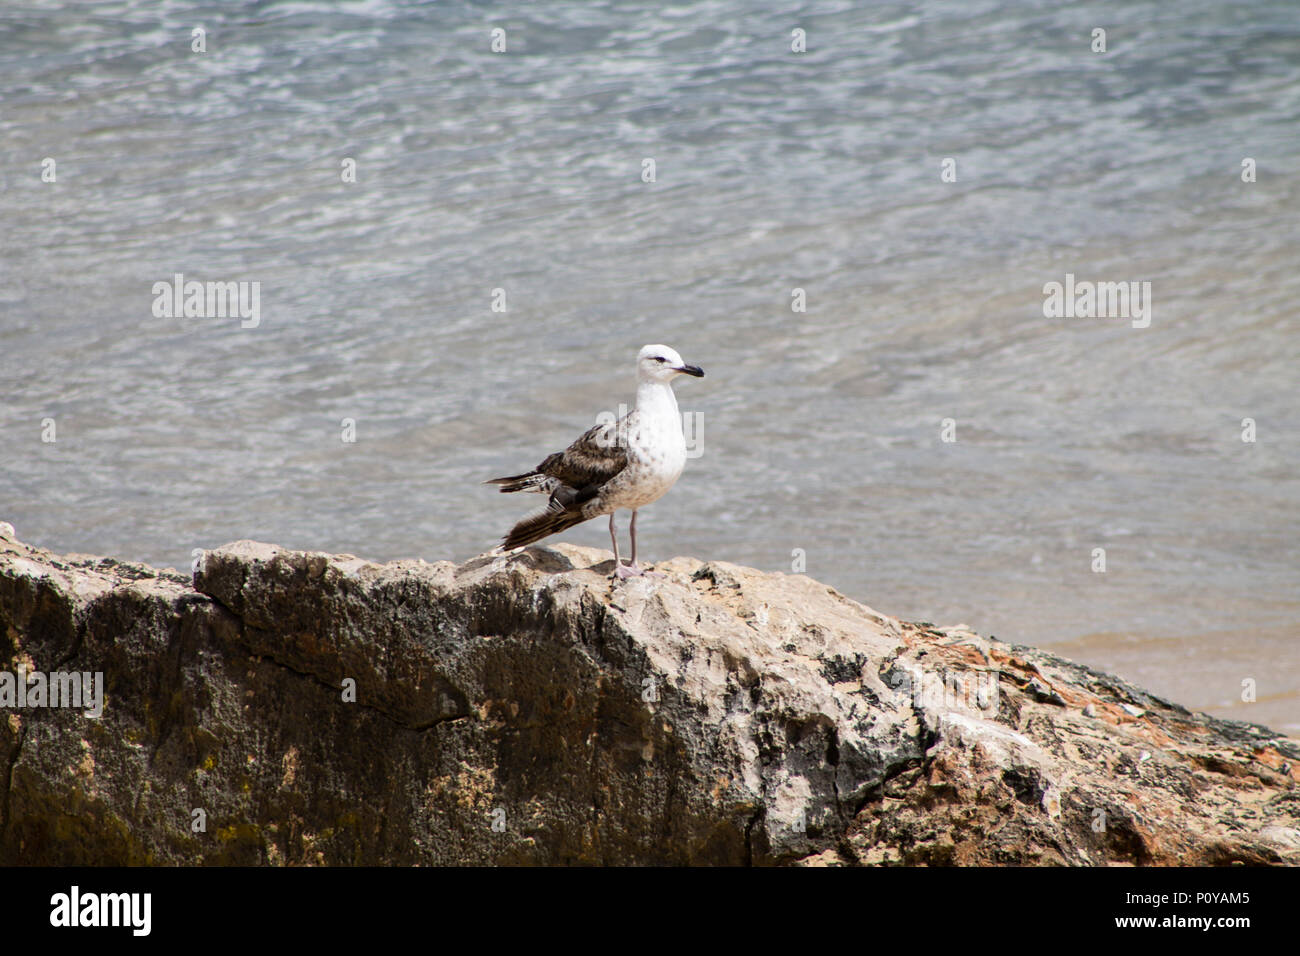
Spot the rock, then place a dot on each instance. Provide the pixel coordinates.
(290, 707)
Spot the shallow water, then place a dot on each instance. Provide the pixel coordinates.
(821, 430)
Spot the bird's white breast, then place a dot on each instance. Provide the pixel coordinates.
(656, 455)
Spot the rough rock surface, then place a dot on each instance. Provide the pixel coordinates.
(309, 708)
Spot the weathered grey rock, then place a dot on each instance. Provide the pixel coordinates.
(528, 710)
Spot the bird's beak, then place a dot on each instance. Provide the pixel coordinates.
(691, 370)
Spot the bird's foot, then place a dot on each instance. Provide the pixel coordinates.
(634, 570)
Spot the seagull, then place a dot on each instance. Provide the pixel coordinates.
(622, 464)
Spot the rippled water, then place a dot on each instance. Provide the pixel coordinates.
(522, 171)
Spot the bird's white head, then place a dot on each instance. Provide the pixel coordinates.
(659, 363)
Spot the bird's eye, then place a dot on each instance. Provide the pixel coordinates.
(660, 358)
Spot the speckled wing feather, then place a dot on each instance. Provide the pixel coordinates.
(571, 478)
(595, 458)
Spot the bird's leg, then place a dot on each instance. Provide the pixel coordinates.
(621, 571)
(636, 567)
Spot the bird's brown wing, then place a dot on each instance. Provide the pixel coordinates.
(589, 462)
(573, 477)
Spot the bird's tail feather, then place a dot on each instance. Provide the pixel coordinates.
(541, 524)
(530, 481)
